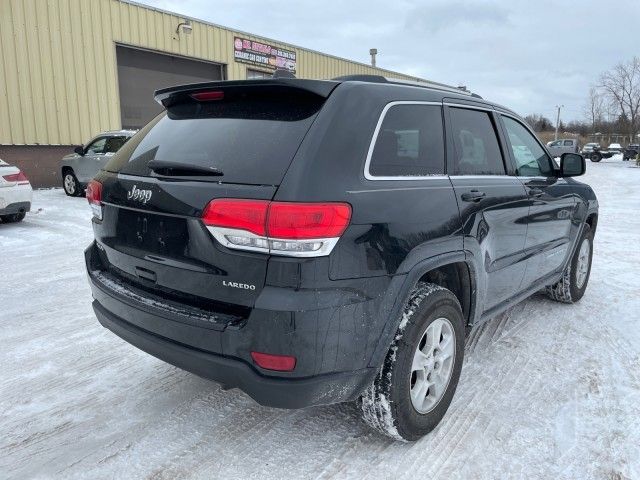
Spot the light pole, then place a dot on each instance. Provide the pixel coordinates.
(558, 120)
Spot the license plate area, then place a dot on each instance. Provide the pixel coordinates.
(153, 233)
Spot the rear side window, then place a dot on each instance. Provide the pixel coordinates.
(568, 143)
(409, 142)
(477, 151)
(250, 135)
(113, 144)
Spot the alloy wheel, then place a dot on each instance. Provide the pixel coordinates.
(70, 184)
(582, 266)
(432, 365)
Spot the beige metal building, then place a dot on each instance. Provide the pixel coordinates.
(70, 69)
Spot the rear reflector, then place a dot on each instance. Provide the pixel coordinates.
(280, 363)
(19, 177)
(94, 197)
(208, 96)
(280, 228)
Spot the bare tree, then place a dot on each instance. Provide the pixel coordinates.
(621, 86)
(594, 109)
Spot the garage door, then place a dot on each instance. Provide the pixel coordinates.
(140, 73)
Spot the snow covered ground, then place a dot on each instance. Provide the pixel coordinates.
(547, 390)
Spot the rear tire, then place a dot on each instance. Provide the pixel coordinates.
(70, 184)
(575, 278)
(420, 373)
(13, 218)
(595, 157)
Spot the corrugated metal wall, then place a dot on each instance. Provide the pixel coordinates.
(58, 73)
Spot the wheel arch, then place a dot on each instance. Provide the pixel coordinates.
(452, 270)
(592, 221)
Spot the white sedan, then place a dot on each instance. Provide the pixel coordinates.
(15, 193)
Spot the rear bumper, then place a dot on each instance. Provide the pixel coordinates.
(332, 364)
(13, 208)
(232, 373)
(15, 199)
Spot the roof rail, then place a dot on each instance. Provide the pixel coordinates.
(414, 83)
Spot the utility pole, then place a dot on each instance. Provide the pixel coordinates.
(558, 120)
(373, 52)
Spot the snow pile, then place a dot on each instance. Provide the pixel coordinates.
(548, 390)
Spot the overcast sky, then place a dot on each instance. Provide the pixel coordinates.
(529, 55)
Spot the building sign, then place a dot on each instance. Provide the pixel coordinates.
(263, 54)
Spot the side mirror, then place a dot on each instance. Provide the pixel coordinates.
(79, 150)
(572, 165)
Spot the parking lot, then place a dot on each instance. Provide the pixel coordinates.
(547, 389)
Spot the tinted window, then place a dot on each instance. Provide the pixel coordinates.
(531, 159)
(97, 146)
(476, 144)
(409, 143)
(113, 144)
(250, 136)
(568, 143)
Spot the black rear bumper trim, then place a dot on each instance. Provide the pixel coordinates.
(18, 207)
(232, 373)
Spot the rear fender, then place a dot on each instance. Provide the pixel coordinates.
(398, 293)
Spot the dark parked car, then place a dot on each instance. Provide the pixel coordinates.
(594, 152)
(313, 242)
(631, 152)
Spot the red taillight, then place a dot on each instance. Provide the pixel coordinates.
(307, 220)
(281, 228)
(268, 361)
(249, 215)
(94, 197)
(19, 177)
(94, 192)
(208, 96)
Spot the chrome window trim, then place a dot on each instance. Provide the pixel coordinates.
(479, 177)
(372, 144)
(488, 108)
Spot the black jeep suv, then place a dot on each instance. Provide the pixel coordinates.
(313, 242)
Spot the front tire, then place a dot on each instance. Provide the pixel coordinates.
(595, 157)
(575, 278)
(420, 373)
(70, 184)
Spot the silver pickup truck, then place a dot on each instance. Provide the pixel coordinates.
(564, 145)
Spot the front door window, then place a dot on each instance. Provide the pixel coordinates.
(531, 159)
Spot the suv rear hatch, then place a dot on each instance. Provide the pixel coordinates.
(218, 140)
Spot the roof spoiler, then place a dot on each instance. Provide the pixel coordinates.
(322, 88)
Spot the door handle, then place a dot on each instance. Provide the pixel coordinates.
(535, 192)
(473, 196)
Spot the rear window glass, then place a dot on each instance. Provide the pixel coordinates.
(250, 136)
(409, 143)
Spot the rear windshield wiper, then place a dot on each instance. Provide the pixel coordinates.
(177, 169)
